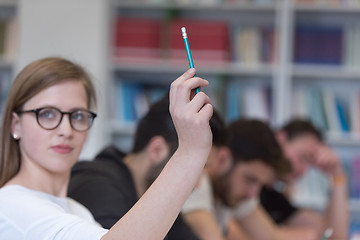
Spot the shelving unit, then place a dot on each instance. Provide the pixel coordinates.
(217, 73)
(340, 79)
(282, 76)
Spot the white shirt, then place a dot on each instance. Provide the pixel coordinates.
(240, 211)
(202, 198)
(27, 214)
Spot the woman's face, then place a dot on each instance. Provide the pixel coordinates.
(52, 151)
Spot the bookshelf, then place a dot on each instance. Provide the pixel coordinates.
(341, 16)
(222, 72)
(281, 76)
(339, 78)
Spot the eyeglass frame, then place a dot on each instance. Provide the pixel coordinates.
(37, 110)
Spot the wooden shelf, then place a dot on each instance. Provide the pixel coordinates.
(164, 66)
(328, 72)
(244, 6)
(326, 8)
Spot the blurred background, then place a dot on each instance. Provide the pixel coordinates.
(267, 59)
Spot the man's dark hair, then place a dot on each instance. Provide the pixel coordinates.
(298, 127)
(156, 122)
(252, 139)
(218, 129)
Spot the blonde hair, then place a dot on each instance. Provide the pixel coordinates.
(34, 78)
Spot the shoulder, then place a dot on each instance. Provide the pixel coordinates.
(201, 198)
(21, 207)
(107, 163)
(41, 215)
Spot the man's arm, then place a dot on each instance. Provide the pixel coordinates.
(235, 231)
(259, 226)
(204, 225)
(336, 215)
(198, 211)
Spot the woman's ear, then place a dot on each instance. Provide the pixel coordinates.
(157, 149)
(15, 126)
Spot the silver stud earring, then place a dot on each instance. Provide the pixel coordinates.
(15, 136)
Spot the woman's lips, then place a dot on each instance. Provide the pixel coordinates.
(62, 148)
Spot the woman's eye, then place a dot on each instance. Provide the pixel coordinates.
(78, 115)
(47, 114)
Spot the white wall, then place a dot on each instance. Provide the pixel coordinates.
(77, 30)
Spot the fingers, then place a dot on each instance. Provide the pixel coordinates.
(191, 114)
(202, 105)
(174, 85)
(185, 83)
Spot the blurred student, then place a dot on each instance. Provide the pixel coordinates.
(244, 157)
(304, 147)
(113, 182)
(45, 122)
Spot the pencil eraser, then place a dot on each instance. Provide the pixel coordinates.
(183, 30)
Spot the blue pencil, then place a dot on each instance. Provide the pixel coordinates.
(188, 52)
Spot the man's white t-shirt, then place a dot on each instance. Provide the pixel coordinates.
(202, 198)
(243, 209)
(28, 214)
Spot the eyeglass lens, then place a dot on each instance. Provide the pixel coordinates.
(50, 118)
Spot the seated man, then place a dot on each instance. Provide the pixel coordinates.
(112, 183)
(303, 146)
(244, 157)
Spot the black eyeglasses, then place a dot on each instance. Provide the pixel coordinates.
(50, 118)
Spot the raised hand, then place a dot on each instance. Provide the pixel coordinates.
(191, 113)
(327, 160)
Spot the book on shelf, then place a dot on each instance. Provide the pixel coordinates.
(352, 47)
(355, 114)
(133, 99)
(11, 39)
(256, 103)
(208, 40)
(136, 38)
(248, 101)
(254, 44)
(8, 38)
(211, 41)
(233, 104)
(316, 108)
(300, 109)
(318, 44)
(332, 112)
(342, 113)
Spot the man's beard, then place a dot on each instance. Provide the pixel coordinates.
(222, 188)
(154, 172)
